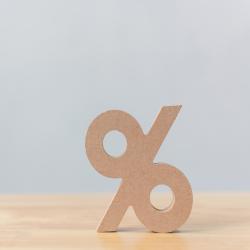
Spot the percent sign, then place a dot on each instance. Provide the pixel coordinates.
(138, 171)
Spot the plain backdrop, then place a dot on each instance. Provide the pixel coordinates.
(64, 62)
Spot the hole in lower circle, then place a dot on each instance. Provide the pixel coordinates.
(115, 143)
(161, 197)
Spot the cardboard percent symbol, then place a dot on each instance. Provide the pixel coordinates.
(138, 172)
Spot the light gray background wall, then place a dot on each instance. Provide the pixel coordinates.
(64, 62)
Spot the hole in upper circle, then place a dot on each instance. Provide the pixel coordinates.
(115, 143)
(161, 197)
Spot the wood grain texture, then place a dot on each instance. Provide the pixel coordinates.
(217, 221)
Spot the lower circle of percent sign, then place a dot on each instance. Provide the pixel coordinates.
(138, 171)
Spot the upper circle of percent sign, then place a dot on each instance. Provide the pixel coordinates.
(138, 171)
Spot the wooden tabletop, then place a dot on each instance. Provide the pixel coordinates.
(218, 221)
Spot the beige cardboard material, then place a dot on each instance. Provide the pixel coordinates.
(138, 172)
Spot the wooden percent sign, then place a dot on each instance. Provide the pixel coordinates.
(138, 171)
